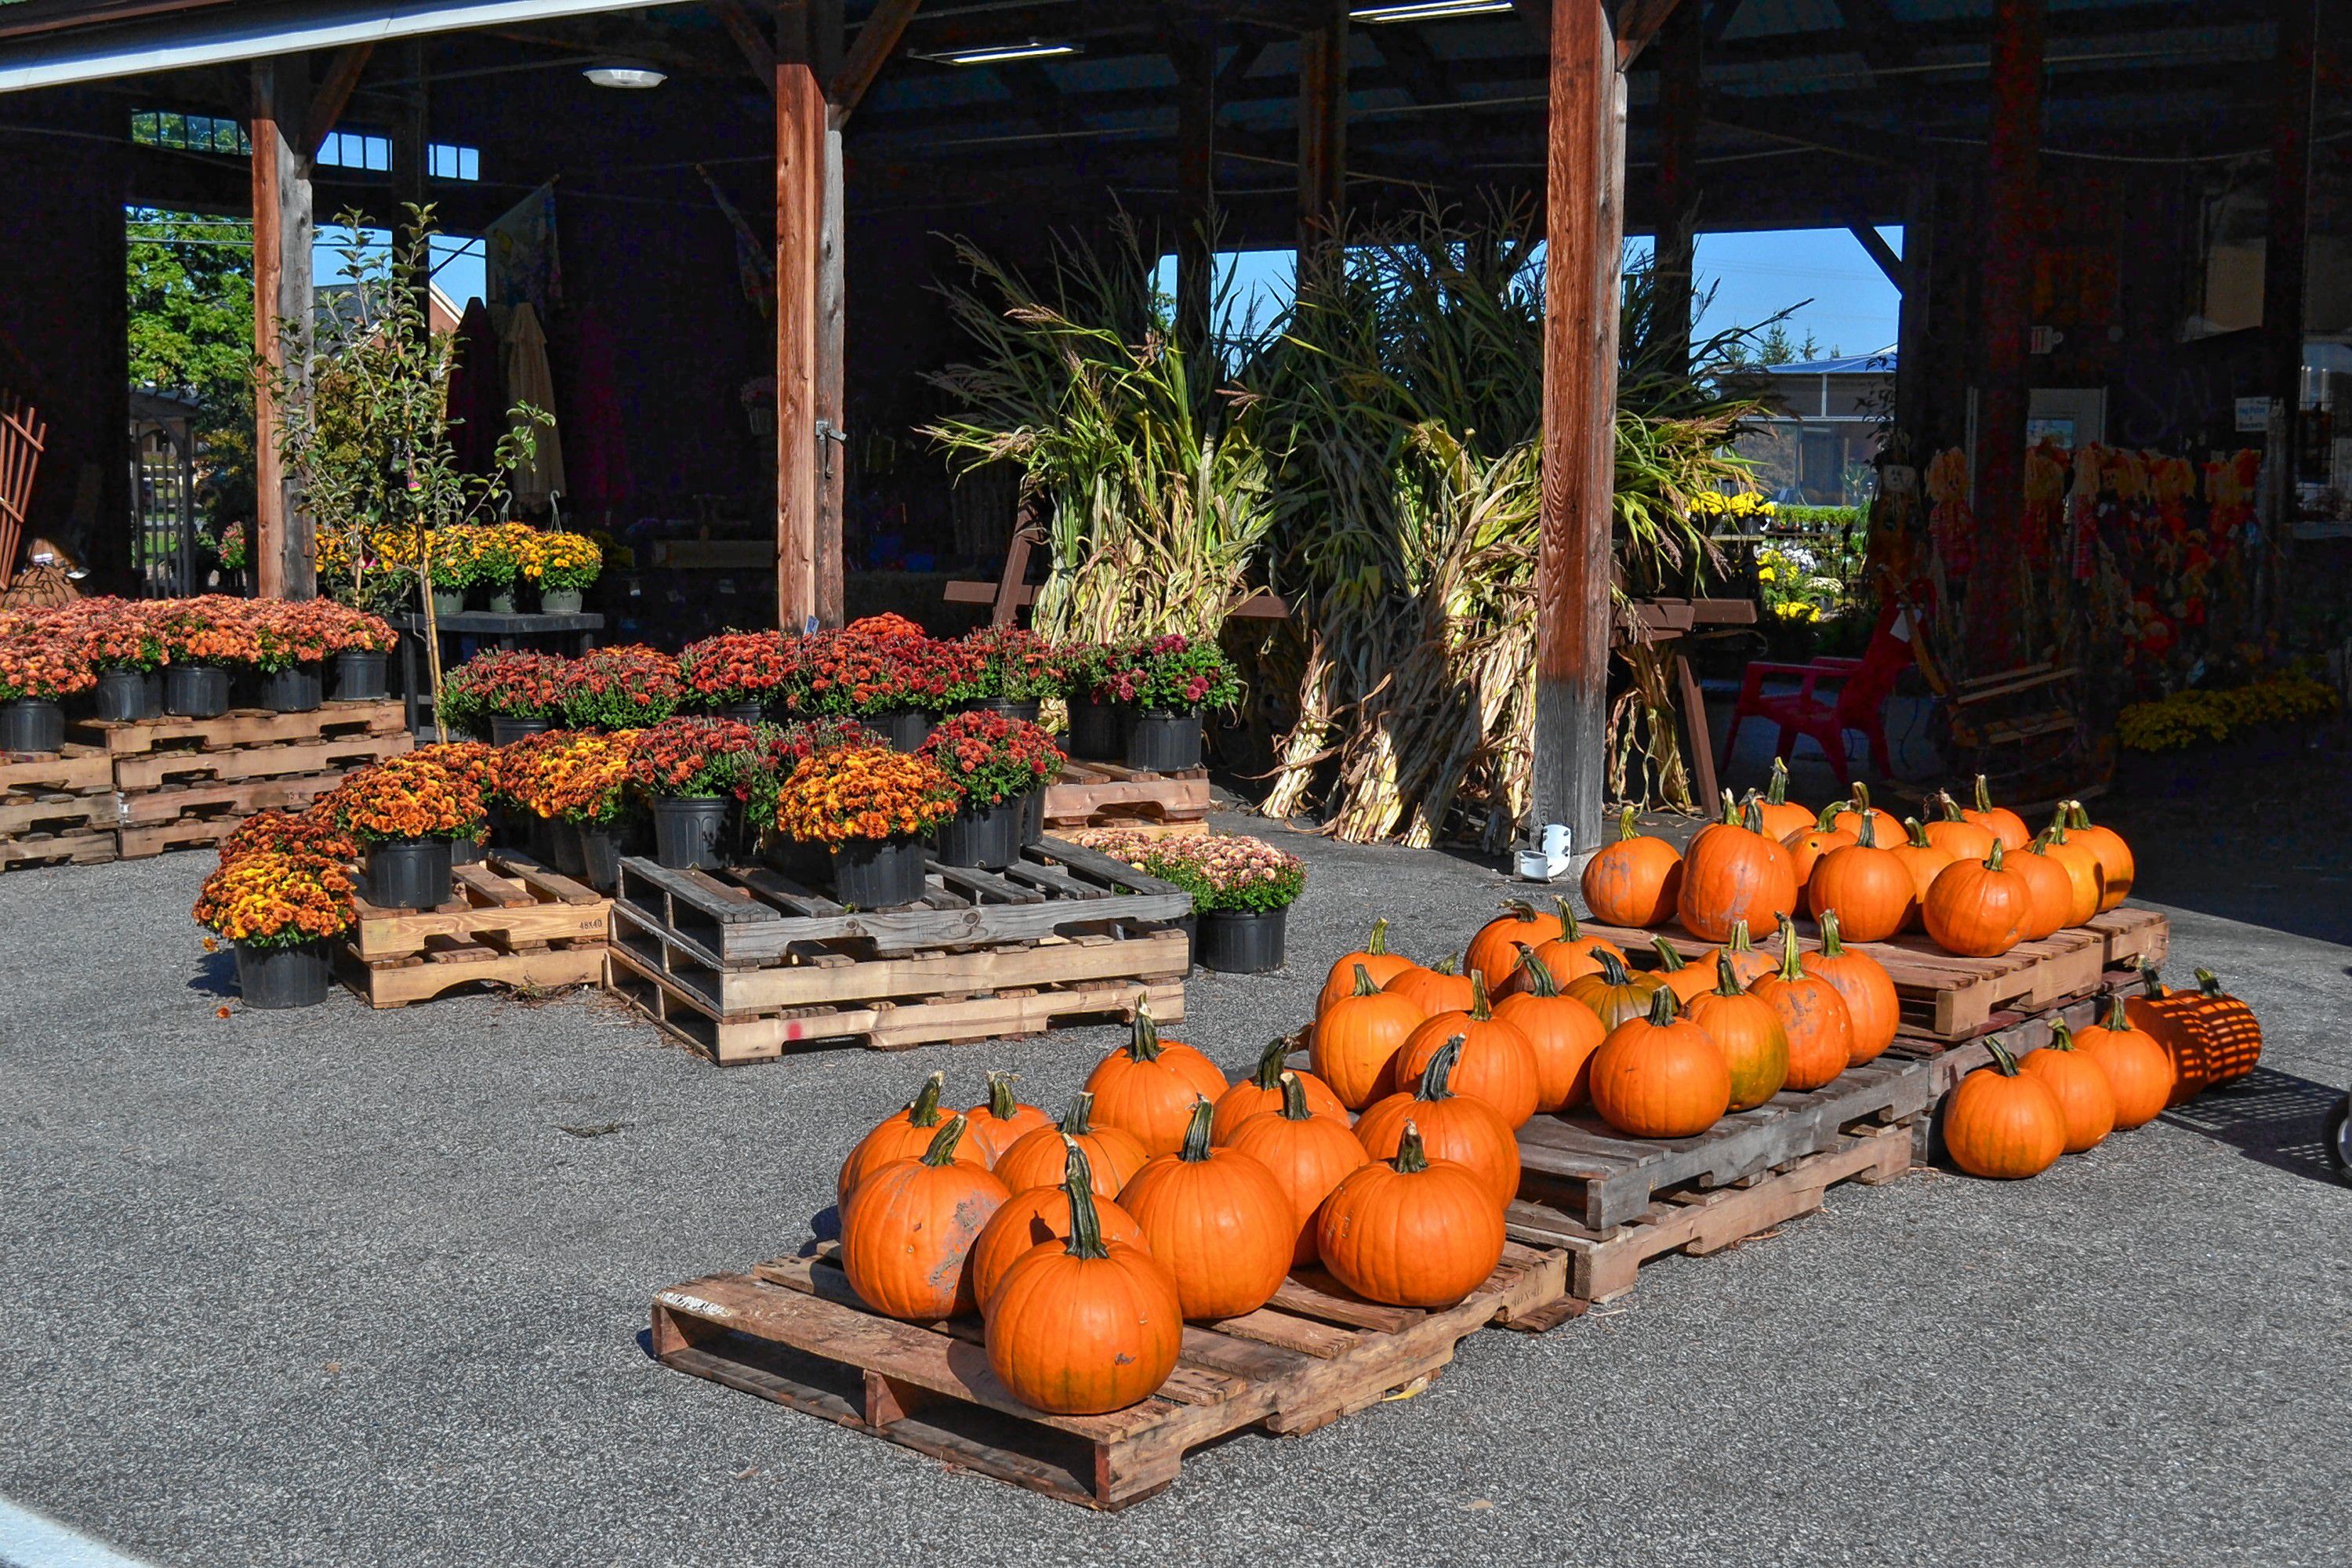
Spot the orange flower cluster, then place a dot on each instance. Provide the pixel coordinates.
(311, 834)
(42, 668)
(865, 792)
(574, 774)
(471, 761)
(267, 900)
(405, 797)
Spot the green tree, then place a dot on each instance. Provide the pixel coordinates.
(190, 279)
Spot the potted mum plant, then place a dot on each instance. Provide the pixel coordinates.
(782, 749)
(291, 640)
(1000, 767)
(578, 784)
(477, 766)
(1018, 670)
(626, 688)
(203, 636)
(504, 694)
(281, 911)
(311, 833)
(1169, 680)
(562, 565)
(1097, 713)
(457, 565)
(1242, 892)
(739, 674)
(126, 654)
(501, 550)
(693, 771)
(406, 813)
(871, 808)
(362, 644)
(39, 670)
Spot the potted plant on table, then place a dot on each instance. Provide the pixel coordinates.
(281, 910)
(739, 675)
(405, 814)
(693, 771)
(504, 694)
(126, 655)
(39, 670)
(1167, 681)
(562, 565)
(203, 636)
(626, 688)
(1242, 892)
(871, 808)
(457, 567)
(502, 551)
(1000, 767)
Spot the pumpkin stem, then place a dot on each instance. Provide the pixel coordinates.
(2149, 981)
(1294, 1099)
(1984, 794)
(1866, 835)
(1364, 987)
(2118, 1019)
(2003, 1063)
(1520, 910)
(1613, 969)
(1143, 1044)
(1444, 966)
(1777, 791)
(1078, 1186)
(1412, 1159)
(1833, 946)
(1196, 1132)
(1753, 819)
(1668, 959)
(1540, 980)
(1001, 1103)
(924, 1110)
(943, 1146)
(1665, 1007)
(1917, 832)
(1439, 1073)
(1993, 861)
(1270, 1060)
(1379, 946)
(1739, 941)
(1951, 807)
(1079, 1119)
(1861, 797)
(2062, 1038)
(1730, 809)
(1791, 968)
(1827, 821)
(2210, 982)
(1479, 1007)
(1568, 931)
(1727, 983)
(1625, 831)
(2057, 829)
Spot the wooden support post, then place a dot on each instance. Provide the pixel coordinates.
(1194, 55)
(2285, 241)
(1682, 93)
(1322, 134)
(800, 226)
(2019, 26)
(832, 324)
(282, 234)
(1911, 400)
(409, 154)
(1585, 229)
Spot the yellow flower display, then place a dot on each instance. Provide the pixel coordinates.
(864, 792)
(270, 899)
(2189, 719)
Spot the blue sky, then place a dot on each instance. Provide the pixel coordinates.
(458, 269)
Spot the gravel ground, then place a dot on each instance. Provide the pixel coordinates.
(342, 1286)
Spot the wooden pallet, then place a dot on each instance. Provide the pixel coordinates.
(243, 727)
(1952, 1060)
(57, 849)
(168, 769)
(750, 916)
(1699, 1219)
(794, 1331)
(1956, 998)
(77, 770)
(57, 794)
(156, 820)
(508, 922)
(1578, 1165)
(1101, 794)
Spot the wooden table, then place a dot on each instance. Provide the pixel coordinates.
(1673, 620)
(502, 631)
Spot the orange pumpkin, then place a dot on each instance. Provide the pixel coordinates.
(1571, 954)
(1886, 825)
(1375, 960)
(1261, 1090)
(1439, 988)
(1414, 1232)
(2076, 858)
(1031, 1220)
(1087, 1327)
(2003, 824)
(1457, 1127)
(1923, 858)
(1806, 848)
(2050, 889)
(1813, 1012)
(1955, 834)
(1747, 1030)
(2233, 1035)
(1615, 994)
(1356, 1041)
(1040, 1159)
(2139, 1074)
(2085, 1096)
(1493, 953)
(1636, 881)
(1689, 979)
(1868, 991)
(1217, 1218)
(1661, 1076)
(1309, 1154)
(1979, 909)
(2168, 1017)
(1870, 888)
(2001, 1123)
(2117, 867)
(1497, 1065)
(906, 1233)
(1148, 1087)
(1781, 818)
(1733, 872)
(905, 1136)
(1561, 1031)
(998, 1123)
(1746, 961)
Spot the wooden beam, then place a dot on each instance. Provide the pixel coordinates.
(2011, 180)
(1870, 240)
(1681, 107)
(750, 39)
(832, 324)
(1719, 18)
(283, 237)
(1322, 134)
(1193, 52)
(1584, 223)
(2286, 239)
(875, 43)
(334, 95)
(800, 135)
(1638, 22)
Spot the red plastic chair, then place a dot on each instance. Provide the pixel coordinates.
(1832, 697)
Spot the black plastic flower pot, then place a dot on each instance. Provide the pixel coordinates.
(195, 690)
(563, 851)
(1026, 711)
(296, 689)
(1233, 942)
(743, 712)
(809, 865)
(506, 731)
(363, 677)
(1032, 816)
(601, 849)
(276, 978)
(690, 832)
(1098, 730)
(409, 873)
(878, 873)
(988, 836)
(127, 696)
(1160, 742)
(904, 728)
(467, 851)
(30, 724)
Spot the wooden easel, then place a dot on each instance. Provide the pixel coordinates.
(21, 438)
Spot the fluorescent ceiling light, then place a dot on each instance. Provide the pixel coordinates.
(1429, 10)
(1003, 53)
(634, 75)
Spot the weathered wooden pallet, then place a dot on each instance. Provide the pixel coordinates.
(57, 849)
(1944, 994)
(165, 769)
(242, 727)
(56, 794)
(77, 770)
(882, 1023)
(1699, 1219)
(2019, 1033)
(448, 962)
(1103, 794)
(750, 916)
(794, 1331)
(508, 921)
(156, 820)
(1579, 1165)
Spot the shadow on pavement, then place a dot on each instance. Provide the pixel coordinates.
(2273, 1118)
(215, 975)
